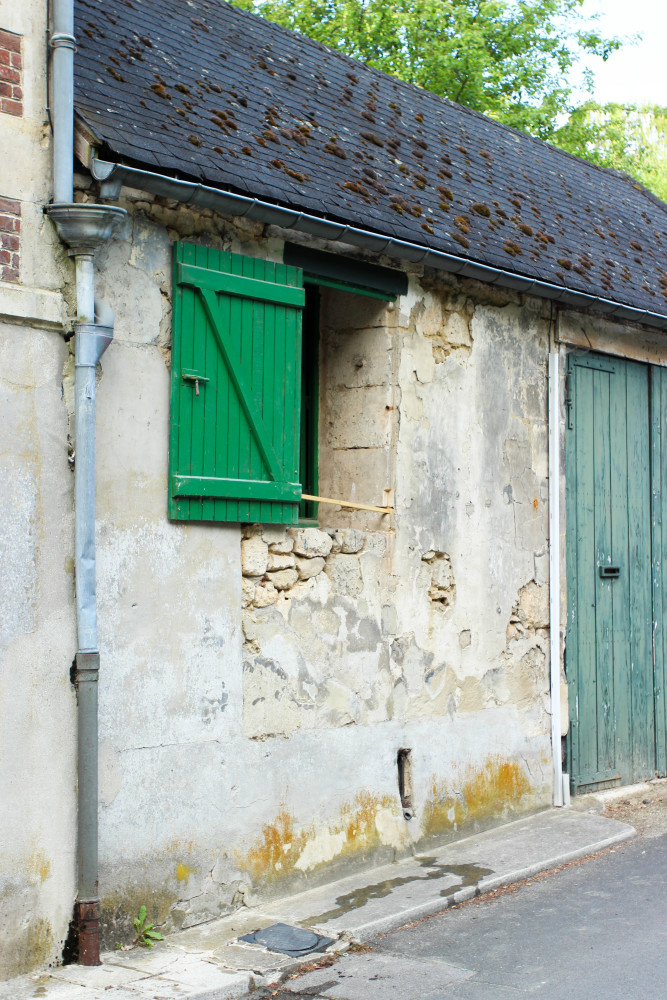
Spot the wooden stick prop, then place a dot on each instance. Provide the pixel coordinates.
(348, 503)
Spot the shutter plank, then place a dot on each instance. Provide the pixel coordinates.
(175, 395)
(186, 452)
(198, 402)
(240, 489)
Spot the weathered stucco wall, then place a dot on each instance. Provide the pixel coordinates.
(257, 683)
(37, 634)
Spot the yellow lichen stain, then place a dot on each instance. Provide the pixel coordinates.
(39, 865)
(31, 948)
(485, 793)
(183, 872)
(275, 854)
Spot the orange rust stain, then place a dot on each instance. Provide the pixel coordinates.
(275, 854)
(497, 787)
(358, 822)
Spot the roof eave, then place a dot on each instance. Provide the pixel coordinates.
(115, 175)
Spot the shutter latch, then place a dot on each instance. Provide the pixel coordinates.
(194, 377)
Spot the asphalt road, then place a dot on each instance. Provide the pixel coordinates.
(595, 930)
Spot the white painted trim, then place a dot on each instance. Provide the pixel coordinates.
(554, 575)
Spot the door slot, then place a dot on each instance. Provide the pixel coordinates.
(610, 572)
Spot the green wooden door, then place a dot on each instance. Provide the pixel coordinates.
(609, 653)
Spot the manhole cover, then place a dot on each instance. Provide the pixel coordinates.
(288, 940)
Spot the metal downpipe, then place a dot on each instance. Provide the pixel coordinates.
(83, 227)
(62, 97)
(91, 342)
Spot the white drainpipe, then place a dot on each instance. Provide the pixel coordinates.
(554, 575)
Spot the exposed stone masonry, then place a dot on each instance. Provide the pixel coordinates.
(277, 560)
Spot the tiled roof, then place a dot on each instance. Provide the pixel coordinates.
(199, 89)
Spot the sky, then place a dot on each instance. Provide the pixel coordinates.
(637, 74)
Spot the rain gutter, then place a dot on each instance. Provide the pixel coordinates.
(114, 175)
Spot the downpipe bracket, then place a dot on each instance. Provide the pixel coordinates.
(87, 668)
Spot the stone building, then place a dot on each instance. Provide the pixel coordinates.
(327, 282)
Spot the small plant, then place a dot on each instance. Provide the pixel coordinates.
(145, 933)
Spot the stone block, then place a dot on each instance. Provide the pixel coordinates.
(311, 542)
(286, 544)
(336, 540)
(254, 556)
(283, 579)
(356, 360)
(276, 537)
(309, 568)
(351, 540)
(363, 418)
(359, 475)
(265, 594)
(344, 572)
(278, 560)
(247, 591)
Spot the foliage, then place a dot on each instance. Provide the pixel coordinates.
(627, 138)
(511, 59)
(145, 933)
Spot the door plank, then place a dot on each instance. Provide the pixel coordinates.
(602, 503)
(620, 588)
(585, 578)
(658, 386)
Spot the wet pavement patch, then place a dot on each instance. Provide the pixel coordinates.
(469, 875)
(293, 941)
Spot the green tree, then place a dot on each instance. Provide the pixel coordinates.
(624, 137)
(511, 59)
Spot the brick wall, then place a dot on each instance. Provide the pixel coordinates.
(11, 73)
(10, 229)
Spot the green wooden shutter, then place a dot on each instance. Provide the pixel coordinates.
(235, 388)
